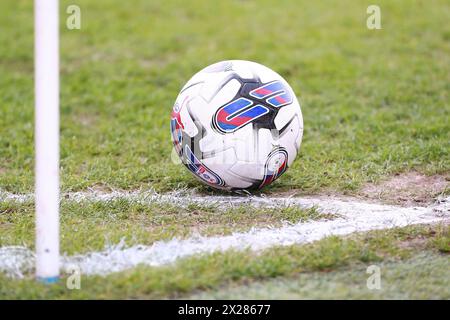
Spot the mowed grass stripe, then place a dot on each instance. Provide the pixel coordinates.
(424, 275)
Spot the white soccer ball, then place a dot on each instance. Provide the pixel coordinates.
(237, 125)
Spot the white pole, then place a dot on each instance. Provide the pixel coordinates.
(46, 50)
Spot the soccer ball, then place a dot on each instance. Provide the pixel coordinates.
(237, 125)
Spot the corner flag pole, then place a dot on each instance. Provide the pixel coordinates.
(46, 53)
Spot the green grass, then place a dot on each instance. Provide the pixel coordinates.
(92, 225)
(374, 102)
(331, 257)
(423, 276)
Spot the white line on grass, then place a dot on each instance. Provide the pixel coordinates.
(354, 216)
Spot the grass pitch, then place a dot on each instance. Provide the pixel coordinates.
(92, 225)
(211, 276)
(375, 103)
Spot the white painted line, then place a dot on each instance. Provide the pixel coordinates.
(355, 216)
(183, 198)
